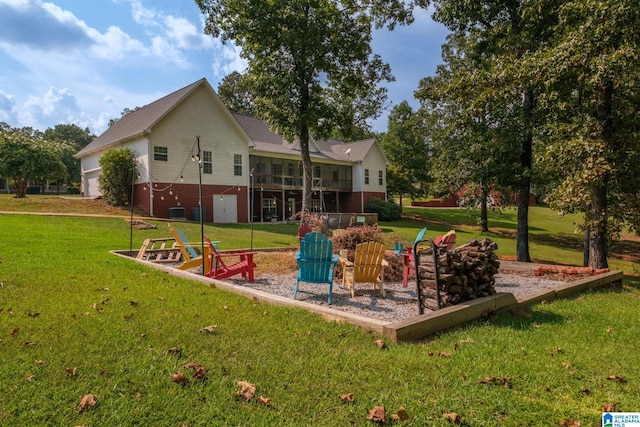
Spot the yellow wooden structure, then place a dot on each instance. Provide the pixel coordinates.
(367, 267)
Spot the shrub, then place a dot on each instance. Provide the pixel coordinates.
(118, 170)
(351, 237)
(386, 210)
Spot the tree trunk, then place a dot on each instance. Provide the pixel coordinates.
(585, 247)
(307, 172)
(19, 186)
(598, 227)
(484, 216)
(598, 224)
(526, 159)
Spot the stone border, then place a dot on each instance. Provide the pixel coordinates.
(417, 327)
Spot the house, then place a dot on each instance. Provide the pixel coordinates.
(244, 173)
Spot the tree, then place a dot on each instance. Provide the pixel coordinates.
(25, 157)
(303, 53)
(122, 114)
(468, 126)
(506, 33)
(592, 150)
(404, 145)
(73, 139)
(118, 171)
(236, 93)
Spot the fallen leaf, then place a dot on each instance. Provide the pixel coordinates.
(468, 340)
(586, 391)
(30, 378)
(247, 390)
(39, 362)
(456, 418)
(504, 381)
(617, 378)
(14, 331)
(264, 400)
(444, 354)
(402, 414)
(226, 307)
(88, 401)
(209, 329)
(174, 350)
(380, 344)
(71, 371)
(133, 303)
(179, 378)
(30, 343)
(34, 315)
(138, 395)
(610, 330)
(349, 397)
(200, 372)
(377, 414)
(570, 423)
(609, 407)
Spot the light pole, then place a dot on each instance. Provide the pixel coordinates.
(251, 197)
(199, 157)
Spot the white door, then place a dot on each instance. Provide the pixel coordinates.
(225, 208)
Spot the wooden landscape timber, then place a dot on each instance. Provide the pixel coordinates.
(418, 327)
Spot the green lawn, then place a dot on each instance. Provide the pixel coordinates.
(67, 304)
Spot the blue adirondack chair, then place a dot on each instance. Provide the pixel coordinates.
(316, 261)
(399, 247)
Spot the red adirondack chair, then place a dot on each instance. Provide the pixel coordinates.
(304, 229)
(220, 269)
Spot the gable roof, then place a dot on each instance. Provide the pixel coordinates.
(270, 142)
(140, 121)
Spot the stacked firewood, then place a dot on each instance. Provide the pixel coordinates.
(464, 273)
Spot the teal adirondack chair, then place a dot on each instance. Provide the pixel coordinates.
(399, 247)
(316, 261)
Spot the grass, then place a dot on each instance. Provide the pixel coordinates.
(66, 302)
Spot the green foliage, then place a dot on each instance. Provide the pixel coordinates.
(72, 139)
(236, 93)
(27, 158)
(590, 146)
(303, 57)
(387, 210)
(404, 145)
(118, 171)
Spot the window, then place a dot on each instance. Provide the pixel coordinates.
(276, 171)
(380, 178)
(237, 164)
(207, 162)
(366, 176)
(160, 154)
(269, 209)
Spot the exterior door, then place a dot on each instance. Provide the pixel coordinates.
(225, 208)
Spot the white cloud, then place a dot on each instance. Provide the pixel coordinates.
(186, 35)
(7, 108)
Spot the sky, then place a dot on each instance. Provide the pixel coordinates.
(84, 61)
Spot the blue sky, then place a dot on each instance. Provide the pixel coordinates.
(84, 61)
